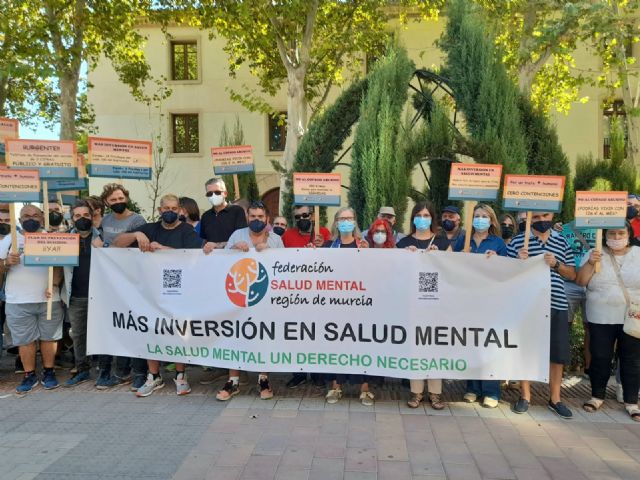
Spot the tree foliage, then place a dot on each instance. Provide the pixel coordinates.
(246, 181)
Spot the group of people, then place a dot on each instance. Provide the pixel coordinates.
(602, 296)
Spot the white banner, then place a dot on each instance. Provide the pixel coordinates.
(392, 313)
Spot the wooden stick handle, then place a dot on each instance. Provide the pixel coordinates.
(14, 228)
(597, 266)
(236, 187)
(316, 222)
(45, 201)
(527, 231)
(468, 223)
(50, 299)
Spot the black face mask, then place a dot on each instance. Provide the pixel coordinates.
(30, 225)
(278, 230)
(5, 228)
(119, 207)
(55, 219)
(304, 224)
(522, 226)
(182, 218)
(448, 225)
(169, 217)
(256, 226)
(542, 226)
(632, 212)
(83, 224)
(507, 230)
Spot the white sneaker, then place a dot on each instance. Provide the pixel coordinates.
(150, 386)
(619, 394)
(367, 398)
(182, 386)
(470, 397)
(334, 395)
(489, 402)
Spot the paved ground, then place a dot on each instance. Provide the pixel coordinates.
(113, 435)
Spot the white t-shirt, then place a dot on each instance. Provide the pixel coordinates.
(605, 300)
(25, 284)
(242, 235)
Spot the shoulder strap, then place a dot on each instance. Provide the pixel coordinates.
(616, 268)
(579, 236)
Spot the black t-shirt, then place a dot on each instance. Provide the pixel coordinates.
(80, 279)
(218, 226)
(440, 241)
(329, 243)
(183, 236)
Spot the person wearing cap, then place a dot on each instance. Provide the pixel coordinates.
(452, 223)
(389, 214)
(633, 214)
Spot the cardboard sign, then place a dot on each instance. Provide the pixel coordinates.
(51, 249)
(53, 158)
(230, 160)
(316, 189)
(72, 185)
(8, 129)
(113, 158)
(541, 193)
(471, 181)
(19, 186)
(601, 209)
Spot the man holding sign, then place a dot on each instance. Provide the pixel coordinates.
(26, 306)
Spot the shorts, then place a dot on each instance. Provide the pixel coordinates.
(577, 299)
(559, 351)
(28, 322)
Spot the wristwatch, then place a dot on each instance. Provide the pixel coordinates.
(556, 267)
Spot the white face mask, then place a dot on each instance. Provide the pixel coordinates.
(617, 244)
(379, 238)
(216, 200)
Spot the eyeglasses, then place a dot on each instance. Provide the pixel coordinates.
(217, 192)
(302, 215)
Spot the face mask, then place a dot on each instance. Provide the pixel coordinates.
(256, 226)
(346, 226)
(448, 225)
(617, 244)
(5, 228)
(169, 217)
(421, 223)
(55, 219)
(83, 224)
(304, 224)
(632, 212)
(278, 230)
(542, 226)
(379, 238)
(507, 230)
(481, 224)
(522, 226)
(216, 200)
(30, 225)
(119, 207)
(182, 218)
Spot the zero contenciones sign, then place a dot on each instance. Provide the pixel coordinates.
(19, 186)
(601, 209)
(474, 181)
(114, 158)
(542, 193)
(324, 310)
(51, 249)
(230, 160)
(53, 159)
(317, 189)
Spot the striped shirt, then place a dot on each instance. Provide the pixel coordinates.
(558, 246)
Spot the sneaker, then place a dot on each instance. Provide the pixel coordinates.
(77, 379)
(150, 386)
(489, 402)
(123, 379)
(229, 390)
(297, 380)
(560, 409)
(105, 380)
(138, 381)
(619, 394)
(213, 374)
(470, 397)
(73, 371)
(29, 382)
(366, 399)
(49, 380)
(182, 386)
(333, 396)
(18, 366)
(244, 379)
(266, 392)
(521, 406)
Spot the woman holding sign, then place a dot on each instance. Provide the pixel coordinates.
(613, 294)
(486, 237)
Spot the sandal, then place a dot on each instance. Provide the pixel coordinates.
(415, 399)
(592, 405)
(633, 411)
(435, 401)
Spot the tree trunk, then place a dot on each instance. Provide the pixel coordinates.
(3, 95)
(632, 122)
(68, 84)
(296, 122)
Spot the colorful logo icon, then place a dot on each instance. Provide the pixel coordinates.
(247, 282)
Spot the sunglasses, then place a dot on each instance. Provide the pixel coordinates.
(302, 215)
(217, 192)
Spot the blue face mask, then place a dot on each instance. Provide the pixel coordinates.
(169, 217)
(346, 226)
(481, 224)
(422, 223)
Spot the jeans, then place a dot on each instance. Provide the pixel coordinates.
(484, 388)
(124, 365)
(577, 298)
(603, 340)
(78, 318)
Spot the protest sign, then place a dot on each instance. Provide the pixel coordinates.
(8, 129)
(321, 189)
(324, 310)
(115, 158)
(51, 249)
(542, 193)
(230, 160)
(53, 158)
(19, 186)
(601, 209)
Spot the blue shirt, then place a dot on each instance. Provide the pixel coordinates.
(558, 246)
(492, 242)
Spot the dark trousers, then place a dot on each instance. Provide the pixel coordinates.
(603, 339)
(124, 365)
(77, 312)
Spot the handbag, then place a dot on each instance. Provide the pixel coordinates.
(632, 317)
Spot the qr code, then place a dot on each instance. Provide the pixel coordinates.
(171, 278)
(428, 282)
